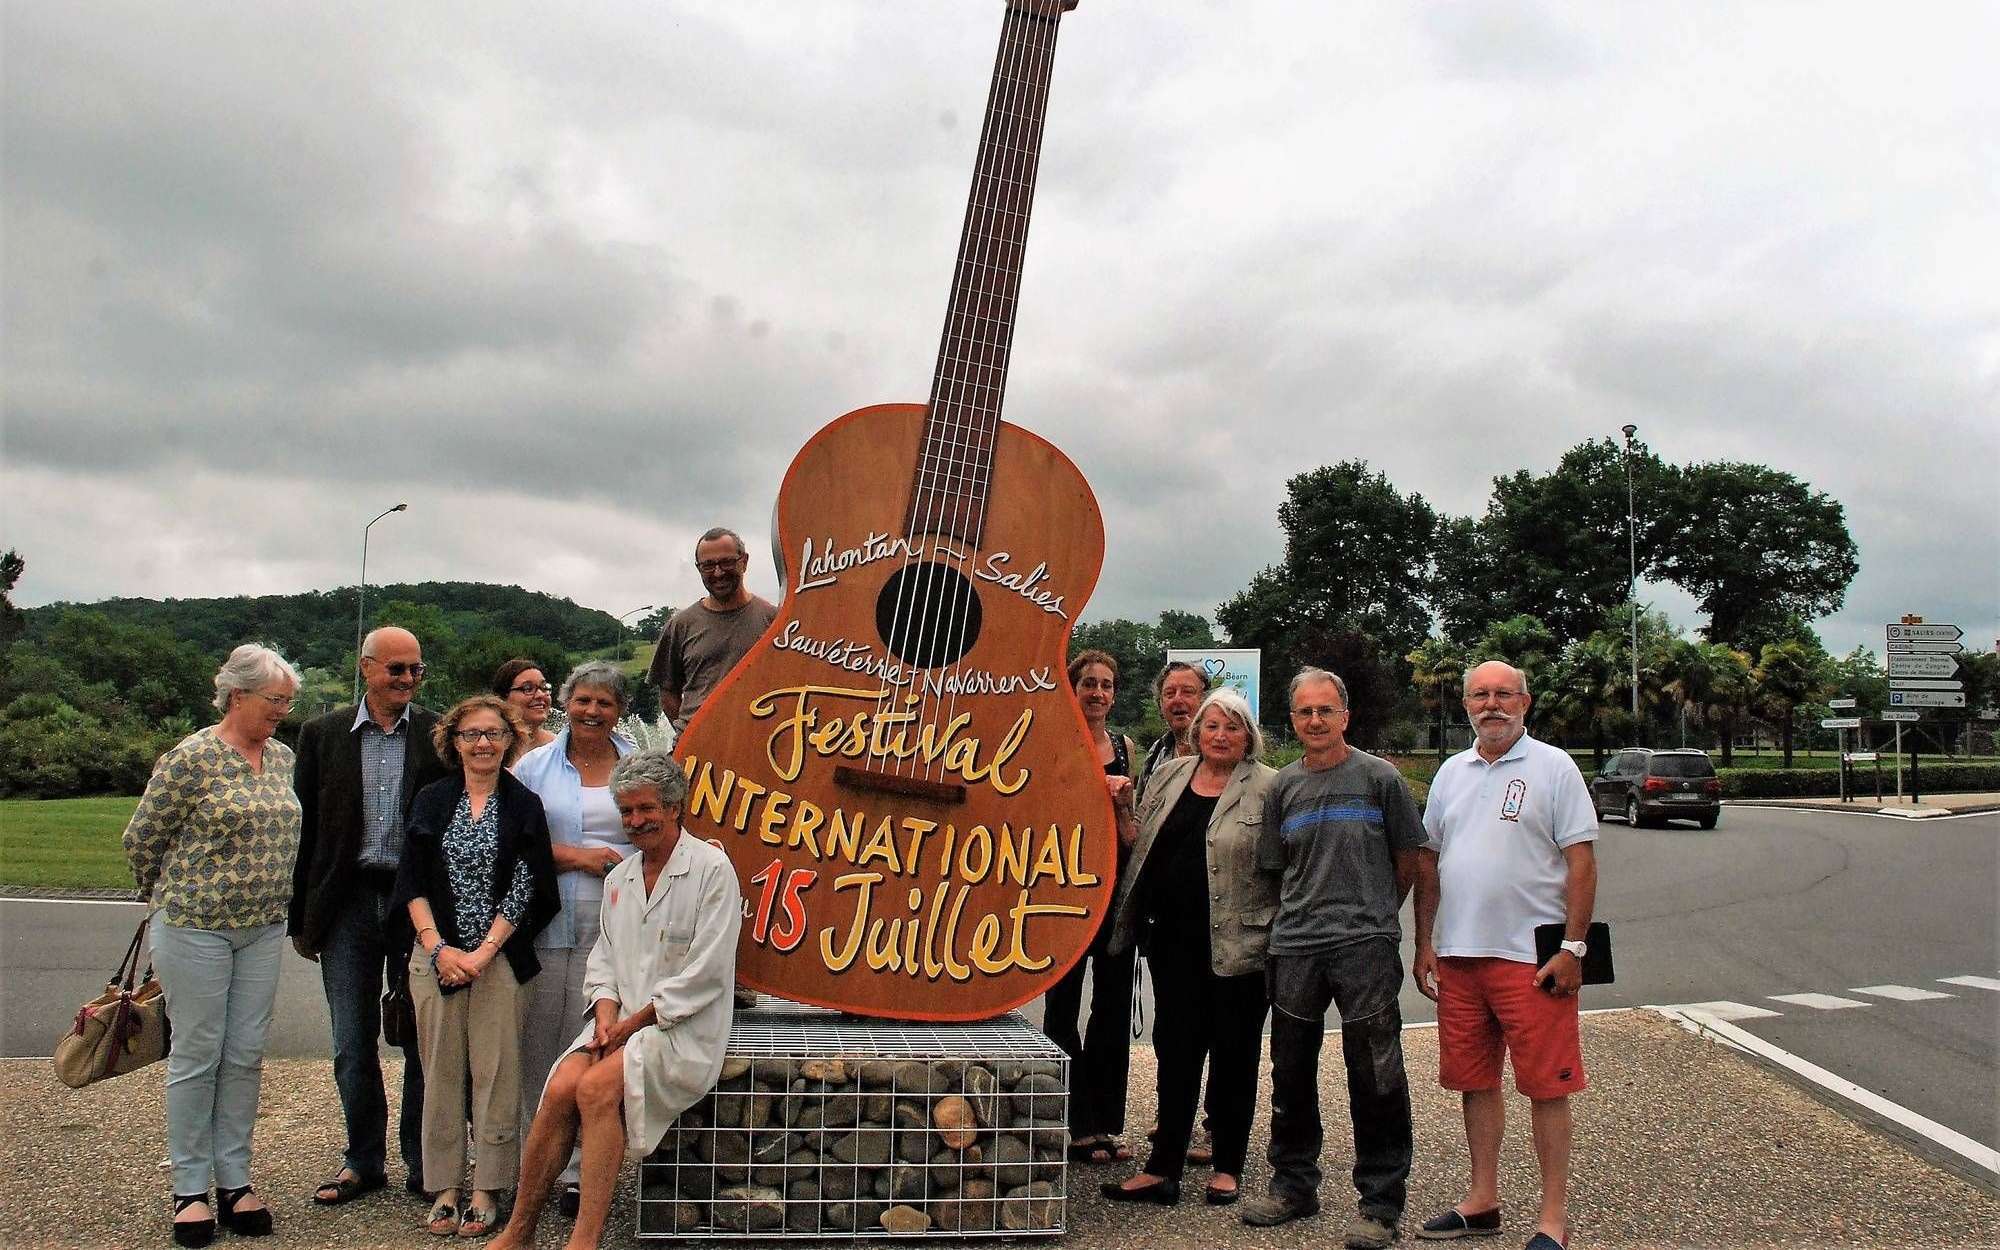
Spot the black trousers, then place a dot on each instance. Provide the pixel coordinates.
(1362, 979)
(1200, 1016)
(1101, 1056)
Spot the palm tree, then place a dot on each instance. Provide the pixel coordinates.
(1437, 668)
(1581, 693)
(1786, 677)
(1713, 683)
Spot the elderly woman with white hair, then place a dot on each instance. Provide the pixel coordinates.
(660, 1004)
(1194, 899)
(211, 845)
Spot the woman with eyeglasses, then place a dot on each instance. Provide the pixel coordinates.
(211, 844)
(572, 776)
(475, 885)
(520, 682)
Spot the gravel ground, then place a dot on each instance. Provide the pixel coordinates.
(1680, 1143)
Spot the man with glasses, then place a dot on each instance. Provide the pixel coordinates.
(1510, 830)
(703, 640)
(358, 768)
(1341, 831)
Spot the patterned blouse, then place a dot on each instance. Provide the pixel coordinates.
(213, 840)
(471, 847)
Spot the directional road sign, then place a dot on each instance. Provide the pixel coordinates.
(1923, 683)
(1841, 722)
(1926, 698)
(1902, 713)
(1901, 665)
(1923, 648)
(1925, 633)
(1839, 703)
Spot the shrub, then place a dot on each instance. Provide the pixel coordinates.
(1793, 783)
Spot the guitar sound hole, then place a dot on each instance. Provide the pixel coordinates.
(928, 615)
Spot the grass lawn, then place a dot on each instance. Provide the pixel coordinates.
(64, 842)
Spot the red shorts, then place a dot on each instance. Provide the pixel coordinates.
(1487, 1006)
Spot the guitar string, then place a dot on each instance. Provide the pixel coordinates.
(991, 336)
(942, 474)
(1027, 118)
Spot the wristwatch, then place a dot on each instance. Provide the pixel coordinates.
(1577, 949)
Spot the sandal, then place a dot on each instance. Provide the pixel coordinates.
(192, 1232)
(255, 1222)
(346, 1189)
(479, 1222)
(443, 1219)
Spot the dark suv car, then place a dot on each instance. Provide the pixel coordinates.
(1651, 787)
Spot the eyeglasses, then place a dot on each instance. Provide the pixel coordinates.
(530, 687)
(470, 736)
(717, 566)
(398, 668)
(1324, 711)
(1493, 696)
(281, 702)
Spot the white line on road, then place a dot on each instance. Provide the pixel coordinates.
(1901, 993)
(1818, 1002)
(1977, 983)
(76, 902)
(1930, 1130)
(1724, 1010)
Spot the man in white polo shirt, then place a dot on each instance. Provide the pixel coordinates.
(1509, 829)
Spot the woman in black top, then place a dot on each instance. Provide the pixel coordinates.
(1194, 896)
(1100, 1058)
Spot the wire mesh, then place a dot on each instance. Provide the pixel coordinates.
(825, 1125)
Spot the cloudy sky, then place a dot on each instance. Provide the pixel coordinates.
(576, 282)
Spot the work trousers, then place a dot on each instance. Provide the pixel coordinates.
(1101, 1057)
(472, 1033)
(1362, 979)
(1200, 1016)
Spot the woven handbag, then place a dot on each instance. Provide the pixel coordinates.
(119, 1031)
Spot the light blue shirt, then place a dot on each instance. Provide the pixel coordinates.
(547, 771)
(382, 753)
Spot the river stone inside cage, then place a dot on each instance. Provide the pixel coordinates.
(827, 1125)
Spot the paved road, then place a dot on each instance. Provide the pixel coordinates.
(1775, 901)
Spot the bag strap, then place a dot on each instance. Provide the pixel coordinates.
(128, 968)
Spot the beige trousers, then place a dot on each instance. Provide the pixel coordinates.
(473, 1033)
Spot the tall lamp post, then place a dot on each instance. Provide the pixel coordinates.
(1632, 576)
(361, 596)
(619, 654)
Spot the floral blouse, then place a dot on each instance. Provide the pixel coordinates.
(471, 847)
(213, 840)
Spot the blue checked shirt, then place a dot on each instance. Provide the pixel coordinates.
(382, 753)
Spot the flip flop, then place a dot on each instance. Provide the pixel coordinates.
(443, 1219)
(479, 1223)
(346, 1189)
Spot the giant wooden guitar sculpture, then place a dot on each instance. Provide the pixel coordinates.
(898, 768)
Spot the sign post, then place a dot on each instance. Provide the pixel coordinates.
(1923, 669)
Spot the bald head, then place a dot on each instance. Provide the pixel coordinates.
(392, 663)
(1491, 674)
(392, 635)
(1496, 702)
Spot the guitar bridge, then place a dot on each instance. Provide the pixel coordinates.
(890, 783)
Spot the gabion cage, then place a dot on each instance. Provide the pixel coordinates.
(825, 1125)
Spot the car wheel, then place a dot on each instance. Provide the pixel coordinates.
(1632, 810)
(1708, 821)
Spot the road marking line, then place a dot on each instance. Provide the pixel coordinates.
(1818, 1002)
(1977, 983)
(1930, 1130)
(1901, 993)
(1725, 1010)
(76, 902)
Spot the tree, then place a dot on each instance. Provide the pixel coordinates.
(1788, 674)
(1579, 695)
(1437, 669)
(1357, 559)
(1522, 641)
(1756, 546)
(1554, 546)
(11, 567)
(1713, 682)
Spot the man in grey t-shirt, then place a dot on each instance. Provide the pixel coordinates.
(1342, 832)
(703, 640)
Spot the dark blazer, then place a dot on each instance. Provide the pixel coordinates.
(524, 836)
(328, 780)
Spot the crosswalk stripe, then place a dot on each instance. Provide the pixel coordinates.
(1819, 1002)
(1727, 1010)
(1901, 993)
(1977, 983)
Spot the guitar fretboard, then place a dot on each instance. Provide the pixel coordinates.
(955, 466)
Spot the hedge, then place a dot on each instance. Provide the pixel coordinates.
(1792, 783)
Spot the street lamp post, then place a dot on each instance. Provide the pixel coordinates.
(1632, 576)
(361, 596)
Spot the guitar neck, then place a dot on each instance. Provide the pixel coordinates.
(949, 494)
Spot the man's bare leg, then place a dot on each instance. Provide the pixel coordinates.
(600, 1105)
(1485, 1121)
(1553, 1132)
(544, 1153)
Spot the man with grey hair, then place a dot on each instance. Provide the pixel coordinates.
(658, 989)
(1510, 848)
(703, 640)
(358, 768)
(1341, 830)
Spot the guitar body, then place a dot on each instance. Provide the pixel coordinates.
(898, 768)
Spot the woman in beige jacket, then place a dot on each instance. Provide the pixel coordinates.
(1193, 897)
